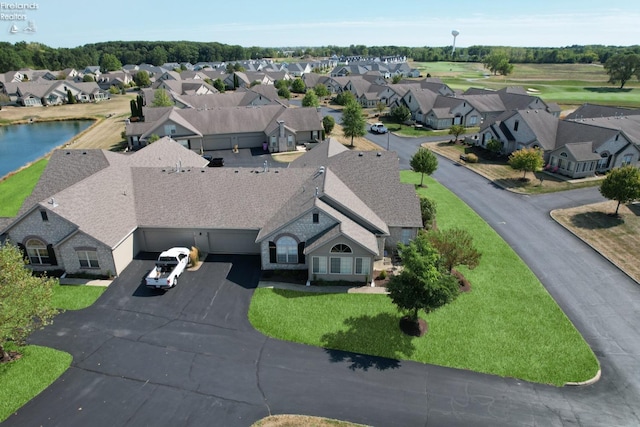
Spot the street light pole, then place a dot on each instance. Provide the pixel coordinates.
(388, 132)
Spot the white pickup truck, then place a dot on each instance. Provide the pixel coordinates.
(169, 267)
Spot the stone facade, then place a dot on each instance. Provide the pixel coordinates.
(82, 242)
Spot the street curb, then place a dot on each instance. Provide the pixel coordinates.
(591, 381)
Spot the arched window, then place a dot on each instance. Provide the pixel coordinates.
(37, 252)
(340, 249)
(287, 250)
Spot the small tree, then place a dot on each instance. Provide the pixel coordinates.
(456, 131)
(527, 160)
(622, 185)
(310, 99)
(396, 79)
(328, 124)
(423, 284)
(153, 138)
(298, 86)
(400, 114)
(428, 211)
(25, 300)
(284, 92)
(161, 99)
(142, 79)
(353, 123)
(110, 63)
(380, 107)
(71, 99)
(87, 78)
(321, 90)
(455, 247)
(494, 146)
(219, 85)
(343, 98)
(424, 162)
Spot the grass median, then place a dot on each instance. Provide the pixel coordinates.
(25, 378)
(508, 325)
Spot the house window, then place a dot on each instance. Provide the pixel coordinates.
(273, 140)
(516, 125)
(169, 130)
(362, 265)
(287, 250)
(88, 258)
(319, 265)
(37, 252)
(473, 120)
(341, 249)
(627, 159)
(44, 216)
(407, 234)
(314, 134)
(341, 265)
(570, 166)
(290, 140)
(316, 218)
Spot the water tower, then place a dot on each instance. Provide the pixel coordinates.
(454, 33)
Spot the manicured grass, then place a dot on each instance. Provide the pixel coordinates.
(17, 187)
(508, 325)
(25, 378)
(71, 297)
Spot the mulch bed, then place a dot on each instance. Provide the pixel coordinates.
(413, 328)
(465, 285)
(12, 356)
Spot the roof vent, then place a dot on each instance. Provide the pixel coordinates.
(378, 154)
(53, 202)
(321, 170)
(360, 154)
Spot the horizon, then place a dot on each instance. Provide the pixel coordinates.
(546, 24)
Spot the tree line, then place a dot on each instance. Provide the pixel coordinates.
(39, 56)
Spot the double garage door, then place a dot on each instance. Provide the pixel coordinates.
(210, 241)
(227, 142)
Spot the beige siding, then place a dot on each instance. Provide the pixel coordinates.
(357, 251)
(124, 253)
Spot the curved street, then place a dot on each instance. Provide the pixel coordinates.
(190, 357)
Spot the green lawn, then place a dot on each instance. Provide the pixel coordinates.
(17, 187)
(508, 325)
(26, 377)
(566, 84)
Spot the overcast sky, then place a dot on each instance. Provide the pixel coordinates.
(273, 23)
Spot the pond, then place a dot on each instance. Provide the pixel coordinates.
(23, 144)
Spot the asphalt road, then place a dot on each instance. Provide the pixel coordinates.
(189, 357)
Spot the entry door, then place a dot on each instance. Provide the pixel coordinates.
(201, 240)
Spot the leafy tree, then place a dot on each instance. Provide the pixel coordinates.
(622, 67)
(298, 86)
(25, 300)
(219, 85)
(310, 99)
(279, 84)
(321, 90)
(455, 247)
(428, 211)
(110, 63)
(353, 122)
(71, 99)
(236, 81)
(380, 107)
(142, 79)
(423, 283)
(284, 92)
(498, 62)
(396, 79)
(88, 78)
(114, 90)
(343, 98)
(494, 146)
(153, 138)
(527, 160)
(424, 162)
(161, 99)
(400, 114)
(328, 123)
(622, 185)
(456, 130)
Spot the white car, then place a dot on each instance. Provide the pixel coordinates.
(379, 128)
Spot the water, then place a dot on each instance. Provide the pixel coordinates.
(23, 144)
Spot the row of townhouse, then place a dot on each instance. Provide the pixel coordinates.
(183, 97)
(56, 92)
(593, 139)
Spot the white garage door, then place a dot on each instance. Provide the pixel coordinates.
(233, 242)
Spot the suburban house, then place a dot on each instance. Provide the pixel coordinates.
(42, 93)
(220, 128)
(332, 212)
(573, 148)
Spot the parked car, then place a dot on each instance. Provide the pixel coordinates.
(170, 265)
(214, 162)
(379, 128)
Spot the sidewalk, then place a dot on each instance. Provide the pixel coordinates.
(322, 289)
